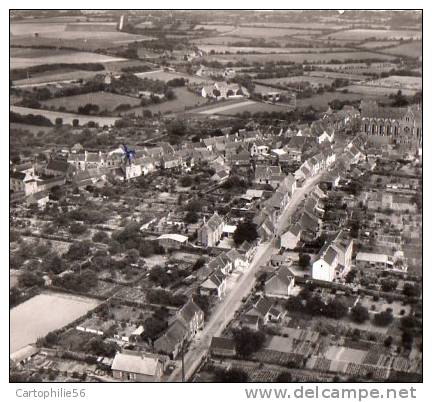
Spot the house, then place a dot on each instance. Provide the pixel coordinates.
(373, 260)
(334, 259)
(192, 316)
(211, 231)
(171, 161)
(291, 237)
(238, 261)
(58, 168)
(221, 346)
(259, 147)
(38, 200)
(172, 241)
(129, 365)
(264, 309)
(224, 90)
(269, 175)
(22, 182)
(280, 285)
(171, 342)
(250, 321)
(214, 285)
(221, 263)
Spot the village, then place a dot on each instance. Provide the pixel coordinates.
(273, 247)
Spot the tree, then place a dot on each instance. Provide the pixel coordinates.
(383, 319)
(100, 237)
(246, 231)
(304, 260)
(359, 313)
(77, 229)
(191, 217)
(78, 250)
(285, 376)
(58, 121)
(231, 375)
(56, 264)
(336, 309)
(29, 279)
(248, 341)
(315, 305)
(411, 290)
(388, 341)
(75, 122)
(294, 303)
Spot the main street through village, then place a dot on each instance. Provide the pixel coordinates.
(227, 308)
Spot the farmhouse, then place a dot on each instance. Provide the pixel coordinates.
(223, 90)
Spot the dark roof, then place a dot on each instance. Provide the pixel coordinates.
(58, 166)
(222, 343)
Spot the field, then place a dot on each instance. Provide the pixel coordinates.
(220, 40)
(413, 49)
(239, 106)
(65, 31)
(320, 102)
(301, 78)
(298, 57)
(52, 57)
(334, 75)
(27, 324)
(376, 90)
(266, 33)
(292, 50)
(399, 82)
(67, 117)
(375, 44)
(363, 34)
(105, 101)
(185, 99)
(68, 75)
(167, 76)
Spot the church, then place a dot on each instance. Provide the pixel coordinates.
(397, 125)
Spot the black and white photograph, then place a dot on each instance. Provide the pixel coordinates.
(215, 196)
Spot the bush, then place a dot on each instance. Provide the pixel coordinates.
(248, 341)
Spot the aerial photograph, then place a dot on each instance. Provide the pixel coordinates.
(213, 196)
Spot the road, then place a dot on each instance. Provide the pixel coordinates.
(225, 311)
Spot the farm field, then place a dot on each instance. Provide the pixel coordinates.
(105, 100)
(98, 31)
(362, 34)
(334, 75)
(219, 40)
(220, 28)
(394, 81)
(185, 99)
(54, 58)
(167, 76)
(267, 32)
(27, 324)
(375, 44)
(29, 127)
(246, 49)
(45, 79)
(413, 49)
(299, 57)
(376, 90)
(250, 106)
(67, 117)
(300, 78)
(320, 102)
(299, 25)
